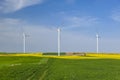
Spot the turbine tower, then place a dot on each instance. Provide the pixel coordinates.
(59, 40)
(24, 42)
(97, 43)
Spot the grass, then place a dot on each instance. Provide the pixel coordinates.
(22, 68)
(85, 69)
(59, 68)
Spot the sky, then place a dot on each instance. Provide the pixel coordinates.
(79, 20)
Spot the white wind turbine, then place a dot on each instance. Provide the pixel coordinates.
(59, 38)
(24, 42)
(59, 41)
(97, 43)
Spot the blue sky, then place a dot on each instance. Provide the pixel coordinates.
(79, 21)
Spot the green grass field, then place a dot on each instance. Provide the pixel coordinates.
(40, 68)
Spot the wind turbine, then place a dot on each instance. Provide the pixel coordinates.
(24, 42)
(59, 40)
(97, 43)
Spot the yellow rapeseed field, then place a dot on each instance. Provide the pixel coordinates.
(27, 54)
(88, 56)
(113, 56)
(23, 54)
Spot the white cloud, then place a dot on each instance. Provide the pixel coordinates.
(10, 24)
(73, 21)
(9, 32)
(70, 1)
(14, 5)
(42, 38)
(10, 27)
(9, 21)
(116, 15)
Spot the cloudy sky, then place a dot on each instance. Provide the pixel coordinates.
(79, 21)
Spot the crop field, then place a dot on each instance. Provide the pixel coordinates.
(49, 68)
